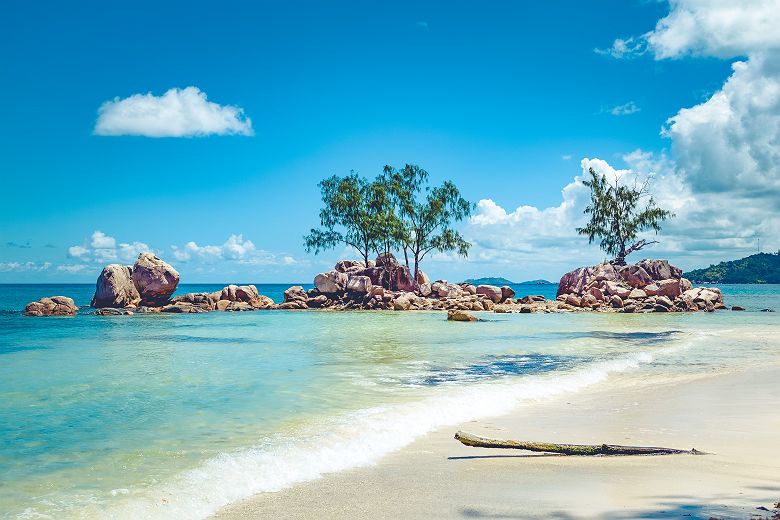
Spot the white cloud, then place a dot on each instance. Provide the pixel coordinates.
(731, 142)
(73, 268)
(566, 157)
(20, 267)
(177, 113)
(102, 241)
(77, 251)
(707, 226)
(103, 249)
(624, 48)
(625, 109)
(721, 28)
(235, 248)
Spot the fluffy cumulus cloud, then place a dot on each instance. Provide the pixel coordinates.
(235, 249)
(183, 112)
(702, 229)
(720, 28)
(731, 142)
(102, 248)
(723, 177)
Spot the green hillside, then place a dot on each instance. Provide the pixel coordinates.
(495, 280)
(758, 268)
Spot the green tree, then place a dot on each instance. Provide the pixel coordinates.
(426, 214)
(355, 212)
(616, 217)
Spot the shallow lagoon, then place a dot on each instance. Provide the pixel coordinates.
(178, 414)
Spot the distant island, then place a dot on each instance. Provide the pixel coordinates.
(758, 268)
(499, 281)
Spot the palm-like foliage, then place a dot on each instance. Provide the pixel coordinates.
(616, 218)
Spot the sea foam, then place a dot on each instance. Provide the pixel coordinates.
(349, 441)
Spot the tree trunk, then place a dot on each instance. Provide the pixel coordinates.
(568, 449)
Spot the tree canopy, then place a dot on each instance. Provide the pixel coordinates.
(355, 212)
(426, 214)
(617, 218)
(396, 211)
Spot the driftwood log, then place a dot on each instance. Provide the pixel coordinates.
(569, 449)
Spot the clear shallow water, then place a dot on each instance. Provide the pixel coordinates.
(175, 415)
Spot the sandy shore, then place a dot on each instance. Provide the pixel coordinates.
(734, 416)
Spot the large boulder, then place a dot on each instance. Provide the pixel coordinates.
(359, 284)
(635, 276)
(202, 301)
(376, 274)
(330, 282)
(403, 279)
(295, 294)
(573, 282)
(490, 291)
(344, 266)
(447, 290)
(54, 306)
(387, 260)
(115, 288)
(671, 287)
(507, 293)
(660, 269)
(240, 293)
(155, 279)
(422, 277)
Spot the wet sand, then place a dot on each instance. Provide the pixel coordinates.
(733, 416)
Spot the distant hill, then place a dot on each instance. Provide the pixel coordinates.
(503, 281)
(537, 282)
(758, 268)
(497, 280)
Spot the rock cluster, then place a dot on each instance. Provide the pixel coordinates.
(54, 306)
(150, 281)
(647, 286)
(147, 286)
(385, 284)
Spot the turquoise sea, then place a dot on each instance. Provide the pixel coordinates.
(174, 416)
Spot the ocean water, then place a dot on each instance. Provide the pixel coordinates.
(174, 416)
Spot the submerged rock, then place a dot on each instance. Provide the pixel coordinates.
(460, 315)
(54, 306)
(111, 311)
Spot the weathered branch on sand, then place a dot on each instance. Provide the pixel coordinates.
(569, 449)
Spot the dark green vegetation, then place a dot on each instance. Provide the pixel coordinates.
(396, 211)
(490, 280)
(616, 218)
(758, 268)
(537, 282)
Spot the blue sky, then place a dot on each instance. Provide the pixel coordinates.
(504, 99)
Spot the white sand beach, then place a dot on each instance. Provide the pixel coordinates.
(731, 415)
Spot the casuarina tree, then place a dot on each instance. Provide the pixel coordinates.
(356, 213)
(618, 213)
(426, 214)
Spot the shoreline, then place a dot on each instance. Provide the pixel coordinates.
(731, 415)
